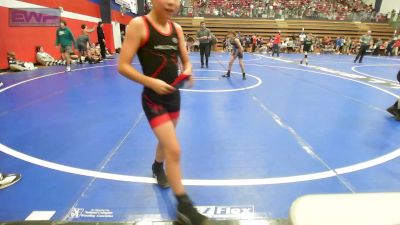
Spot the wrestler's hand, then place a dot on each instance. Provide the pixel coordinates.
(160, 87)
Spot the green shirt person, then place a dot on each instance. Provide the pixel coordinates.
(204, 37)
(204, 34)
(366, 39)
(65, 38)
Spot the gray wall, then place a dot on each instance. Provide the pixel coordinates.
(389, 5)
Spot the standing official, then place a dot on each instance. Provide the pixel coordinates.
(204, 36)
(101, 39)
(365, 41)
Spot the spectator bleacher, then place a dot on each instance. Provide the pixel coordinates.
(322, 18)
(289, 28)
(349, 10)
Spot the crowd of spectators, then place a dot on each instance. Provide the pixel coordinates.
(349, 10)
(43, 58)
(292, 43)
(85, 52)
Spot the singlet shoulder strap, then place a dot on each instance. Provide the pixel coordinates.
(147, 36)
(173, 26)
(154, 28)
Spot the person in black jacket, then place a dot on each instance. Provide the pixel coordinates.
(395, 108)
(101, 39)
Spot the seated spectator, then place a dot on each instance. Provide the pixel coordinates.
(339, 45)
(347, 46)
(389, 47)
(259, 42)
(284, 46)
(74, 57)
(354, 47)
(290, 45)
(247, 40)
(376, 47)
(263, 49)
(329, 48)
(97, 49)
(317, 45)
(396, 47)
(213, 43)
(94, 54)
(189, 43)
(326, 41)
(18, 65)
(225, 44)
(46, 59)
(270, 44)
(228, 45)
(196, 46)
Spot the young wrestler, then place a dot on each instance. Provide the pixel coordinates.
(83, 41)
(237, 51)
(158, 42)
(307, 47)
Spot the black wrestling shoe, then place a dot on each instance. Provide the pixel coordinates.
(188, 215)
(161, 177)
(394, 111)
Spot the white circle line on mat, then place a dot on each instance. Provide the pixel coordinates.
(206, 182)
